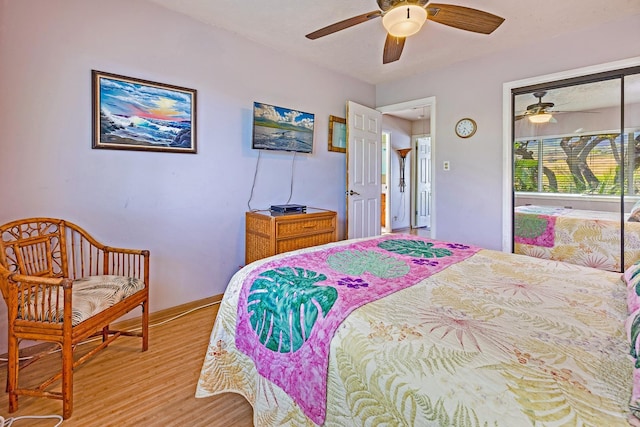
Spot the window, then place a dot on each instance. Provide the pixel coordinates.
(578, 164)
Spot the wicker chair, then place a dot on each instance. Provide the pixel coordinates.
(62, 286)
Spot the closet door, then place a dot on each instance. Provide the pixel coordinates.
(631, 137)
(568, 173)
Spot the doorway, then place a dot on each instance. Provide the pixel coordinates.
(421, 182)
(385, 213)
(422, 115)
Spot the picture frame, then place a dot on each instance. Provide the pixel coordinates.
(337, 134)
(137, 114)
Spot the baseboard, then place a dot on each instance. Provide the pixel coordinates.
(134, 322)
(167, 313)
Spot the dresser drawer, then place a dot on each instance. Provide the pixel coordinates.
(302, 227)
(286, 245)
(267, 234)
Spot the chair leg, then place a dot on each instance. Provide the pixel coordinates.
(13, 366)
(67, 380)
(145, 325)
(6, 386)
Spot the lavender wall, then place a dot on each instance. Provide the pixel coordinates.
(187, 209)
(468, 198)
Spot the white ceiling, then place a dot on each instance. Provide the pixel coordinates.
(357, 51)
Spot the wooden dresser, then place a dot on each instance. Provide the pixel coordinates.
(269, 234)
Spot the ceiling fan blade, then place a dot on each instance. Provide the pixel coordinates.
(463, 18)
(350, 22)
(392, 48)
(574, 112)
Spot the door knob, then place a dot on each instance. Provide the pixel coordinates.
(353, 193)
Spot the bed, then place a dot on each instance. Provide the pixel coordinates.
(582, 237)
(455, 336)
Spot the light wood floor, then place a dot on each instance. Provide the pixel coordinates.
(123, 386)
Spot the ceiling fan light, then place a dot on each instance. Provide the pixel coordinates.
(404, 21)
(540, 118)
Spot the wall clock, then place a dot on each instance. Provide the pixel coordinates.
(466, 127)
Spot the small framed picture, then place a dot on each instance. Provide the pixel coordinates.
(337, 134)
(135, 114)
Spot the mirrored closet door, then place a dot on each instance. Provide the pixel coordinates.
(576, 162)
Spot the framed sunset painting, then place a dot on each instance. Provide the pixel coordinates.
(135, 114)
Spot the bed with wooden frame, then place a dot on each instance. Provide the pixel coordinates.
(401, 330)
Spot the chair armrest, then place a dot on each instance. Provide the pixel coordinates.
(39, 299)
(127, 262)
(113, 260)
(142, 252)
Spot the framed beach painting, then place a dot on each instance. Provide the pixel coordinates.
(135, 114)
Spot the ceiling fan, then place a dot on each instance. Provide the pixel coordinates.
(403, 18)
(540, 112)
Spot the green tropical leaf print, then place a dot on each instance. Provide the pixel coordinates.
(284, 305)
(433, 412)
(447, 359)
(355, 263)
(414, 248)
(635, 331)
(373, 398)
(529, 226)
(407, 358)
(378, 396)
(546, 397)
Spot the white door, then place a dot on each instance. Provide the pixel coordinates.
(422, 185)
(364, 153)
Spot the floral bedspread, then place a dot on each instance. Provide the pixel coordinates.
(497, 339)
(290, 307)
(582, 237)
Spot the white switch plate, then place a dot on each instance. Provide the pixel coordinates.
(445, 165)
